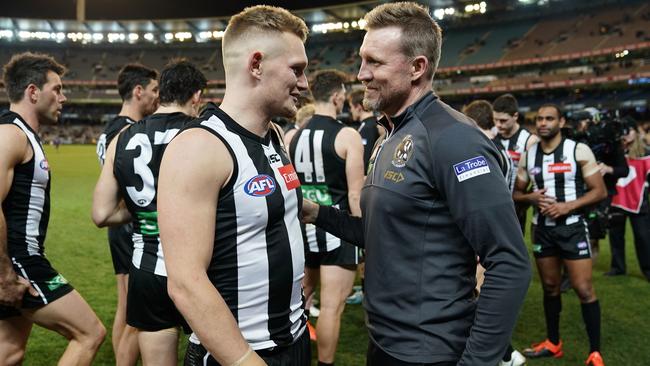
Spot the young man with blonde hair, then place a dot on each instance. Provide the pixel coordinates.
(229, 203)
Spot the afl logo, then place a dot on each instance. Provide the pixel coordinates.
(260, 186)
(44, 165)
(403, 152)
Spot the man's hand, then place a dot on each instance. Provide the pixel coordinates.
(557, 209)
(309, 211)
(605, 169)
(539, 198)
(12, 290)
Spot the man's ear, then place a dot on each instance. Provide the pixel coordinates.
(255, 64)
(137, 92)
(32, 93)
(196, 97)
(419, 67)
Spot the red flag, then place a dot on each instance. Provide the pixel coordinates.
(630, 189)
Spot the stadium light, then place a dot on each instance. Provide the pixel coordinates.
(133, 37)
(6, 33)
(148, 36)
(169, 36)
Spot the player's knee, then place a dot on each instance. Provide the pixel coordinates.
(585, 292)
(551, 287)
(93, 338)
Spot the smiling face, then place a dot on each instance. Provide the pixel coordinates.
(283, 74)
(50, 99)
(385, 71)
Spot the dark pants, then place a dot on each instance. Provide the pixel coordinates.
(641, 229)
(377, 357)
(297, 354)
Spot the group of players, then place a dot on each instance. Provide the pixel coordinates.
(205, 208)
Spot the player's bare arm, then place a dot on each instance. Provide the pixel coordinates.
(349, 146)
(195, 166)
(109, 208)
(14, 150)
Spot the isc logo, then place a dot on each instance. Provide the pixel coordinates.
(260, 186)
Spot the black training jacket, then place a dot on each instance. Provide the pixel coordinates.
(434, 199)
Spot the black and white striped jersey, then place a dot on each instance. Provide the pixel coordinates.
(510, 172)
(113, 127)
(515, 145)
(322, 175)
(258, 259)
(138, 155)
(27, 205)
(560, 173)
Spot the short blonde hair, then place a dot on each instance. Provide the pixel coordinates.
(421, 35)
(304, 114)
(264, 18)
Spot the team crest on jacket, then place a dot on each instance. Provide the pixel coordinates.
(403, 152)
(260, 185)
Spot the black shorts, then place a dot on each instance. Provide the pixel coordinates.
(148, 306)
(49, 284)
(296, 354)
(345, 255)
(565, 241)
(120, 241)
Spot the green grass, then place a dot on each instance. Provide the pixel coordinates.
(80, 252)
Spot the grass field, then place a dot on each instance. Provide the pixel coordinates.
(80, 252)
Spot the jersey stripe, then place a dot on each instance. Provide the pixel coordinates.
(258, 259)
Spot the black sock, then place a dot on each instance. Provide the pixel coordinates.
(552, 309)
(508, 355)
(363, 285)
(320, 363)
(591, 316)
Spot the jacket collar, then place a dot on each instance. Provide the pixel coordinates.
(417, 107)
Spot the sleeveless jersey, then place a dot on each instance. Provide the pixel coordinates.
(138, 155)
(27, 205)
(258, 259)
(560, 173)
(113, 127)
(515, 145)
(322, 175)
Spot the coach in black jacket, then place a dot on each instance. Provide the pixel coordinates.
(434, 199)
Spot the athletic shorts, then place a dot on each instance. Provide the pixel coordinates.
(49, 284)
(565, 241)
(345, 255)
(148, 306)
(120, 241)
(296, 354)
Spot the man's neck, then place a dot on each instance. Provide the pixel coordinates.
(132, 111)
(175, 108)
(243, 111)
(325, 109)
(416, 93)
(550, 144)
(512, 132)
(365, 115)
(27, 113)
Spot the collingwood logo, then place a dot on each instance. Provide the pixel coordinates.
(403, 152)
